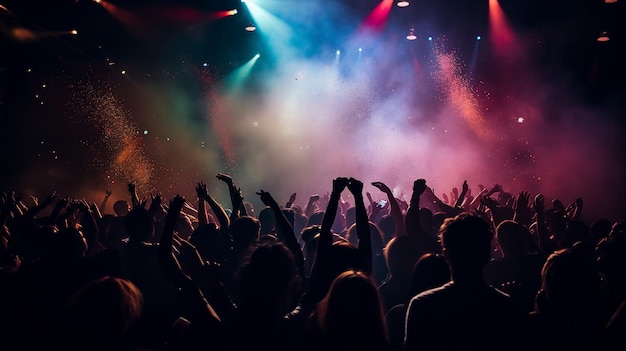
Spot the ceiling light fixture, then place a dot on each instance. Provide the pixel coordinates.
(604, 36)
(411, 35)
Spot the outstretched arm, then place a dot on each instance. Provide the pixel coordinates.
(522, 213)
(395, 210)
(283, 228)
(235, 197)
(203, 219)
(203, 313)
(132, 189)
(311, 206)
(362, 222)
(459, 201)
(107, 195)
(545, 244)
(319, 285)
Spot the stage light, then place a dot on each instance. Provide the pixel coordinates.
(205, 64)
(478, 37)
(360, 49)
(74, 32)
(257, 56)
(250, 28)
(604, 36)
(610, 1)
(233, 12)
(411, 35)
(97, 1)
(402, 3)
(338, 52)
(430, 38)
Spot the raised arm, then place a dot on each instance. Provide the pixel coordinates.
(89, 225)
(104, 202)
(203, 312)
(132, 190)
(545, 244)
(203, 219)
(235, 196)
(283, 228)
(311, 206)
(522, 213)
(291, 200)
(395, 210)
(362, 222)
(317, 283)
(461, 198)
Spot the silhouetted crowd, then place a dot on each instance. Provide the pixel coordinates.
(488, 271)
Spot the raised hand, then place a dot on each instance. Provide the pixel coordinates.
(445, 198)
(176, 204)
(225, 178)
(382, 187)
(267, 198)
(339, 184)
(50, 199)
(132, 187)
(538, 204)
(558, 205)
(355, 186)
(201, 191)
(419, 186)
(522, 200)
(292, 198)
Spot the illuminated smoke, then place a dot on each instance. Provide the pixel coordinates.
(122, 150)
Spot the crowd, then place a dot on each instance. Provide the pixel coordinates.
(491, 271)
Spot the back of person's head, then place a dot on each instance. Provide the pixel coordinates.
(315, 218)
(343, 256)
(245, 230)
(387, 225)
(267, 277)
(183, 227)
(208, 241)
(105, 309)
(430, 271)
(556, 220)
(376, 236)
(569, 281)
(69, 243)
(139, 225)
(426, 219)
(600, 229)
(466, 240)
(513, 238)
(267, 218)
(351, 314)
(401, 253)
(576, 231)
(121, 207)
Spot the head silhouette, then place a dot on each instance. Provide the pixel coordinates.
(466, 242)
(351, 315)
